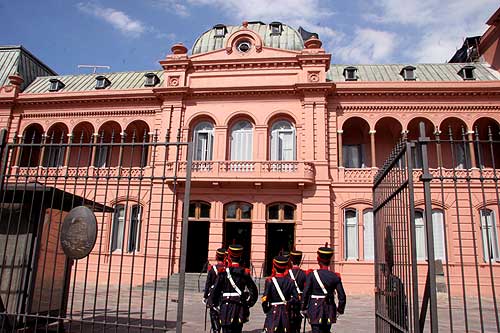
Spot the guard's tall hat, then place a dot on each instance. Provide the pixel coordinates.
(220, 254)
(235, 251)
(325, 254)
(296, 257)
(280, 263)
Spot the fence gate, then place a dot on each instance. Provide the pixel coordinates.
(90, 232)
(437, 258)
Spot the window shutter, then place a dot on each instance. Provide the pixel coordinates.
(287, 141)
(438, 230)
(368, 234)
(274, 145)
(351, 234)
(489, 235)
(420, 235)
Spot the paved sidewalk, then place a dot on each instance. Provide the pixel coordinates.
(359, 316)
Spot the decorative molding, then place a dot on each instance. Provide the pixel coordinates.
(68, 114)
(420, 108)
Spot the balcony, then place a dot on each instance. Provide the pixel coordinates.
(247, 171)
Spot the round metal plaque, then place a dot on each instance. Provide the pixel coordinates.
(79, 232)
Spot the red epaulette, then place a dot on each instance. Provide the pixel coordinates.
(247, 271)
(209, 267)
(221, 268)
(309, 271)
(269, 278)
(338, 274)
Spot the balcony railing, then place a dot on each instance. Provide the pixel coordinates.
(248, 170)
(366, 175)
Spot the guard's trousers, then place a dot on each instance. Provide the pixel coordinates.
(321, 328)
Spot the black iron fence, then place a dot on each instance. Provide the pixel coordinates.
(436, 210)
(90, 231)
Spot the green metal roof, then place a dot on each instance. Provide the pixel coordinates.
(423, 72)
(87, 82)
(289, 38)
(16, 59)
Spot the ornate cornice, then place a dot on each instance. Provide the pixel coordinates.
(105, 113)
(414, 107)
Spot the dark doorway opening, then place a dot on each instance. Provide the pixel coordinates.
(197, 247)
(280, 237)
(239, 233)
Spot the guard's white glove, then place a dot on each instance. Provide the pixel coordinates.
(303, 313)
(204, 301)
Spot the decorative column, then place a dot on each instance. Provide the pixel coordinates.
(260, 143)
(470, 136)
(258, 254)
(68, 151)
(437, 133)
(340, 157)
(372, 147)
(220, 143)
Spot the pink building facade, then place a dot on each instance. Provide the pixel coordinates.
(286, 146)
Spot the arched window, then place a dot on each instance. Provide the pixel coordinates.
(241, 141)
(438, 234)
(199, 211)
(134, 215)
(238, 211)
(281, 212)
(368, 245)
(203, 138)
(118, 230)
(489, 235)
(282, 141)
(351, 233)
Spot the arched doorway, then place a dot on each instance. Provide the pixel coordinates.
(280, 233)
(238, 227)
(30, 155)
(198, 229)
(55, 152)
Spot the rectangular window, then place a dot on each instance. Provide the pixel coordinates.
(351, 234)
(438, 231)
(135, 229)
(368, 235)
(203, 146)
(420, 235)
(352, 156)
(118, 228)
(489, 236)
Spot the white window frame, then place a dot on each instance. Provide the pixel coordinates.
(368, 234)
(117, 238)
(279, 128)
(351, 252)
(205, 153)
(439, 230)
(244, 130)
(489, 235)
(137, 234)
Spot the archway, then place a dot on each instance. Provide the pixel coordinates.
(487, 148)
(136, 153)
(455, 149)
(30, 156)
(356, 148)
(387, 134)
(106, 154)
(280, 232)
(55, 151)
(238, 228)
(81, 150)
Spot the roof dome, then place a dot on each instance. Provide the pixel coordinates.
(275, 34)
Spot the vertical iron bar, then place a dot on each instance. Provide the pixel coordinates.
(413, 248)
(426, 179)
(184, 237)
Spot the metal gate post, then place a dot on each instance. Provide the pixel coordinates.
(431, 273)
(184, 239)
(411, 225)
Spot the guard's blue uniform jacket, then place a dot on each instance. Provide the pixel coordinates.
(295, 315)
(234, 308)
(277, 311)
(321, 308)
(212, 273)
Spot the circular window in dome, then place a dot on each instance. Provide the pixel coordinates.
(244, 46)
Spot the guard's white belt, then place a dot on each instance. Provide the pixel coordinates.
(230, 294)
(318, 296)
(278, 303)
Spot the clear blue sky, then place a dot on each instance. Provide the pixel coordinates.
(134, 35)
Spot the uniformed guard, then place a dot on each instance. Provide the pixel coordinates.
(212, 272)
(298, 276)
(279, 292)
(319, 303)
(234, 292)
